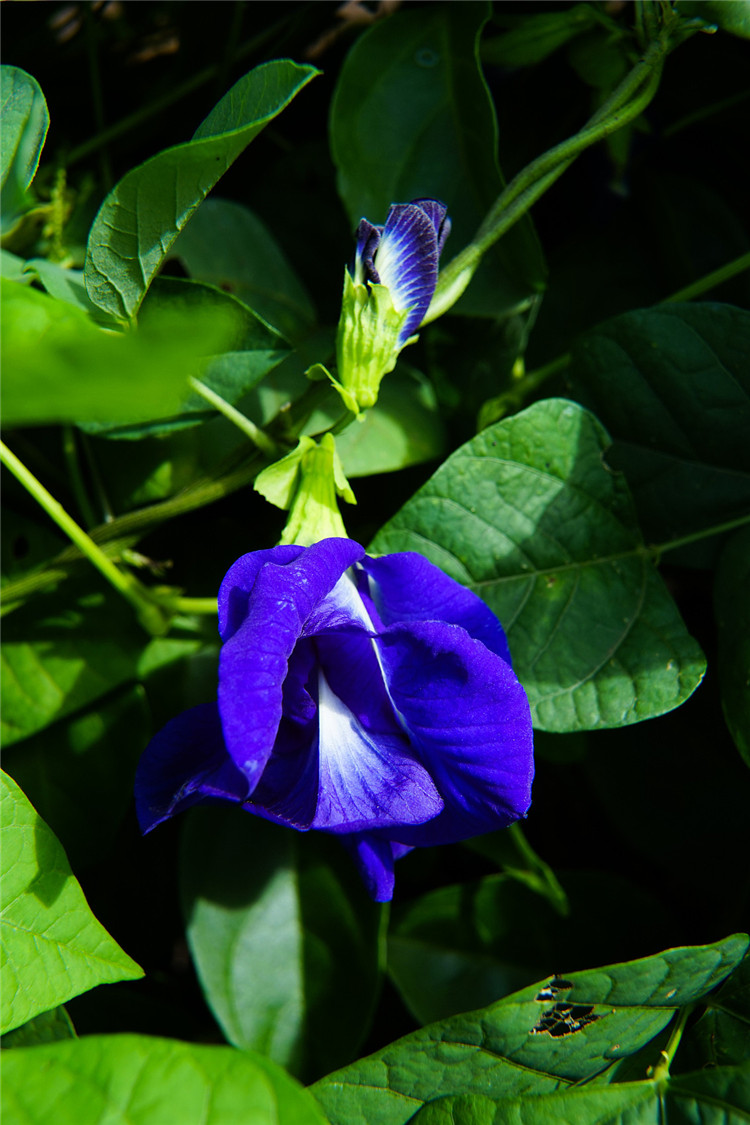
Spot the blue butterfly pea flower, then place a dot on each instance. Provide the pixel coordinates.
(372, 698)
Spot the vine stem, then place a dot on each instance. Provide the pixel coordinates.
(125, 584)
(259, 439)
(626, 103)
(660, 1070)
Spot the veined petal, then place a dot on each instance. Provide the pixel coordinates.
(407, 587)
(254, 660)
(186, 764)
(238, 582)
(367, 780)
(368, 240)
(407, 262)
(437, 213)
(468, 720)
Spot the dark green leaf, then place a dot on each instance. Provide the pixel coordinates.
(533, 38)
(56, 662)
(141, 217)
(47, 1027)
(79, 774)
(25, 120)
(467, 945)
(228, 245)
(142, 1080)
(539, 1040)
(527, 516)
(412, 117)
(722, 1035)
(53, 948)
(672, 386)
(58, 366)
(718, 1097)
(275, 938)
(732, 600)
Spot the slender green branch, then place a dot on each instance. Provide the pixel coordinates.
(711, 280)
(259, 439)
(661, 1069)
(707, 533)
(626, 103)
(76, 477)
(125, 584)
(208, 606)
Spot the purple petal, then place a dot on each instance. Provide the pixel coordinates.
(407, 262)
(469, 722)
(437, 213)
(368, 240)
(407, 587)
(367, 779)
(238, 582)
(253, 664)
(374, 857)
(186, 764)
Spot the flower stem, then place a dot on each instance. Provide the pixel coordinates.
(209, 606)
(259, 439)
(660, 1070)
(711, 280)
(125, 584)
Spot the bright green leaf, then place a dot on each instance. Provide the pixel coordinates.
(143, 214)
(53, 948)
(718, 1097)
(412, 117)
(227, 244)
(59, 366)
(274, 939)
(24, 121)
(672, 386)
(732, 600)
(542, 1039)
(142, 1080)
(527, 515)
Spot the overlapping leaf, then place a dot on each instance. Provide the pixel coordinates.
(732, 598)
(53, 948)
(25, 120)
(143, 214)
(141, 1080)
(527, 515)
(540, 1040)
(275, 938)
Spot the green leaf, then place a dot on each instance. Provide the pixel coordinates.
(66, 285)
(47, 1027)
(12, 267)
(24, 119)
(542, 1039)
(532, 38)
(274, 939)
(53, 948)
(718, 1097)
(142, 1080)
(728, 15)
(412, 117)
(55, 360)
(248, 354)
(527, 516)
(672, 386)
(143, 214)
(79, 774)
(464, 946)
(56, 662)
(227, 244)
(722, 1034)
(732, 602)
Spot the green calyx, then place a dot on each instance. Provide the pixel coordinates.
(367, 344)
(306, 482)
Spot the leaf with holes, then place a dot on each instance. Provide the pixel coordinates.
(143, 1080)
(53, 948)
(542, 1039)
(143, 214)
(527, 515)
